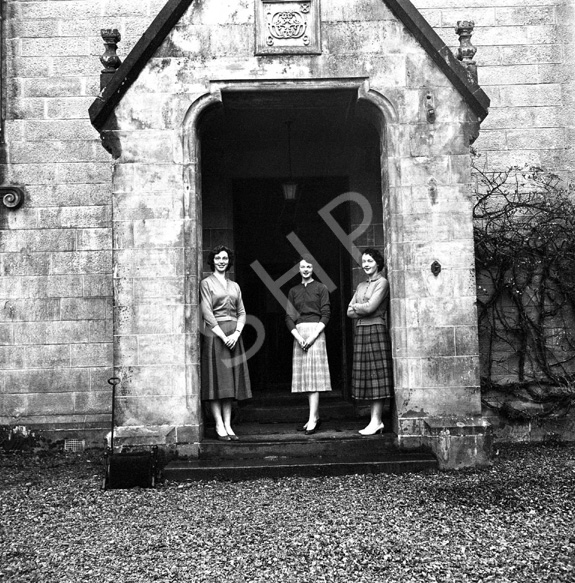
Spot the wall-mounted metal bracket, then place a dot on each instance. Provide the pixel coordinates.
(432, 190)
(430, 108)
(12, 196)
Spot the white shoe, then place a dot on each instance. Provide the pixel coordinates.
(369, 431)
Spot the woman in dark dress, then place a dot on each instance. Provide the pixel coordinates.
(225, 376)
(307, 315)
(372, 373)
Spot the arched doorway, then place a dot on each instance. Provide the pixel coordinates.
(252, 142)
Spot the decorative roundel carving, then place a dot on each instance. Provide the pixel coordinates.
(12, 196)
(287, 25)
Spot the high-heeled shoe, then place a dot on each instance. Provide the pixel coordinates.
(224, 437)
(315, 428)
(377, 430)
(233, 437)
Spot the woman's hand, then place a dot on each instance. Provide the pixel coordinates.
(314, 336)
(300, 340)
(232, 340)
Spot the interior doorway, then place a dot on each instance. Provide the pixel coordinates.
(262, 221)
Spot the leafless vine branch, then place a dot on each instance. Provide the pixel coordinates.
(524, 228)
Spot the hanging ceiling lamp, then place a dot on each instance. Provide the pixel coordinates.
(290, 186)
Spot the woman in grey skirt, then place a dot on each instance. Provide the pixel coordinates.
(372, 373)
(224, 366)
(307, 315)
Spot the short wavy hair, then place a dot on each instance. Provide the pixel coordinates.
(376, 256)
(307, 258)
(217, 250)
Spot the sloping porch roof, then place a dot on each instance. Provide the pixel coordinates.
(104, 105)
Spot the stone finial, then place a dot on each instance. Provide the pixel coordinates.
(466, 50)
(109, 59)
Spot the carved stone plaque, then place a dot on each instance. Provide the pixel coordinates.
(285, 27)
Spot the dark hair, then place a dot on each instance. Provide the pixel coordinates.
(376, 256)
(217, 250)
(307, 258)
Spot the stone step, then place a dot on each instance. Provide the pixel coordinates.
(335, 438)
(247, 469)
(278, 450)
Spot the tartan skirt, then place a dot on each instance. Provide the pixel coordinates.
(310, 370)
(224, 372)
(372, 372)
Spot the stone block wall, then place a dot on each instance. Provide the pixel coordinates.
(56, 250)
(526, 66)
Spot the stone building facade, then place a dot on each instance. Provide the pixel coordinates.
(100, 264)
(524, 53)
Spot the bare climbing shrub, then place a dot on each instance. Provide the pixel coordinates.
(524, 228)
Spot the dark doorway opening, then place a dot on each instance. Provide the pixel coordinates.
(329, 143)
(262, 222)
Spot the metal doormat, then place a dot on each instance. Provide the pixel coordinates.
(128, 469)
(75, 445)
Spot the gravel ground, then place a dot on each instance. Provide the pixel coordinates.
(512, 522)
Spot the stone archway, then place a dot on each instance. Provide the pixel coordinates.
(369, 107)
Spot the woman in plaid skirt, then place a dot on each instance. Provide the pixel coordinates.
(307, 315)
(372, 374)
